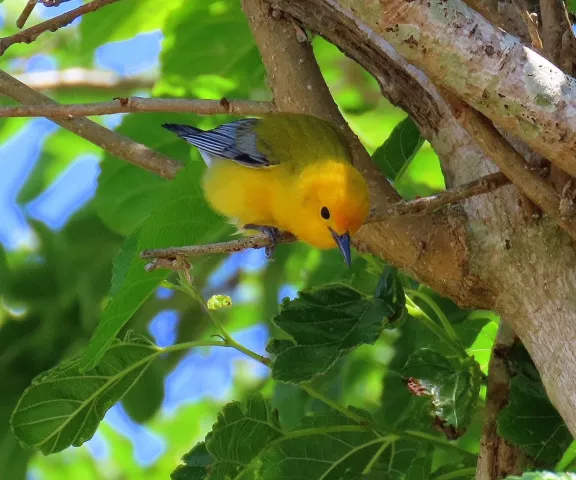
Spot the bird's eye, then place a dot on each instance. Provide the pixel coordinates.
(325, 213)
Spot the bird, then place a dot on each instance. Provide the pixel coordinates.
(283, 172)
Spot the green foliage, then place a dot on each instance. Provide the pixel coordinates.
(323, 325)
(531, 422)
(395, 154)
(184, 218)
(64, 405)
(103, 26)
(231, 64)
(453, 385)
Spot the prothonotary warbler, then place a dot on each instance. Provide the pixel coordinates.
(288, 172)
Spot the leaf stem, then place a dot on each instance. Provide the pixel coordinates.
(377, 455)
(415, 435)
(439, 313)
(415, 311)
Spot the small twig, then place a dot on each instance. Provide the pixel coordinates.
(426, 205)
(32, 33)
(139, 104)
(420, 206)
(257, 241)
(84, 78)
(25, 13)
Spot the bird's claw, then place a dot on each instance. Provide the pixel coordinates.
(271, 232)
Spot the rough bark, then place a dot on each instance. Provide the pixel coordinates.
(526, 271)
(484, 66)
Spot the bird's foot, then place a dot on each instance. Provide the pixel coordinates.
(271, 232)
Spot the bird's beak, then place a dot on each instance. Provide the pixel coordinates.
(343, 242)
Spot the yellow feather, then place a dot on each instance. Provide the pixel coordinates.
(311, 170)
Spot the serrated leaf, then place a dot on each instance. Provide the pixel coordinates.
(196, 464)
(531, 422)
(184, 218)
(453, 385)
(398, 150)
(323, 324)
(209, 52)
(63, 406)
(122, 21)
(325, 454)
(241, 432)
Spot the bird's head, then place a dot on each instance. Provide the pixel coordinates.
(334, 204)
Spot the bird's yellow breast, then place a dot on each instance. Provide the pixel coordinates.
(246, 195)
(290, 199)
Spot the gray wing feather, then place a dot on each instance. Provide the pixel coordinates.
(235, 141)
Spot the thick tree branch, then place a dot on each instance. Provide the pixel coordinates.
(114, 143)
(32, 33)
(497, 458)
(138, 104)
(492, 71)
(420, 206)
(75, 78)
(512, 164)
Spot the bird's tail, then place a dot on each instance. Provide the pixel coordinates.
(185, 131)
(191, 135)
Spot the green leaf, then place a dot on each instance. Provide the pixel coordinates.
(184, 218)
(196, 464)
(571, 4)
(453, 385)
(127, 194)
(64, 406)
(398, 150)
(324, 452)
(241, 432)
(122, 21)
(322, 325)
(531, 422)
(209, 52)
(544, 476)
(144, 399)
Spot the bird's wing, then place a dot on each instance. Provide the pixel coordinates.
(235, 141)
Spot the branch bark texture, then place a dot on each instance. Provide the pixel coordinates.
(491, 70)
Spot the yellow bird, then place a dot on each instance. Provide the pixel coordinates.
(287, 172)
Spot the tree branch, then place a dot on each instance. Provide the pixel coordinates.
(28, 8)
(497, 458)
(114, 143)
(32, 33)
(514, 167)
(83, 78)
(418, 207)
(139, 104)
(492, 71)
